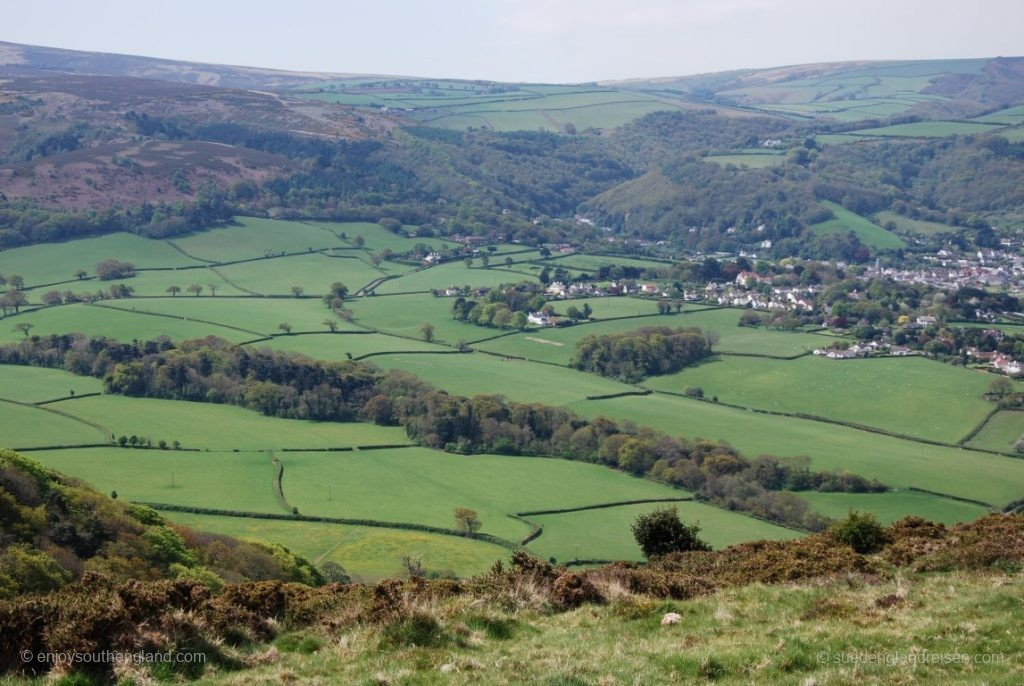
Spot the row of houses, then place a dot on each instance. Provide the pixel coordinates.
(863, 349)
(1004, 363)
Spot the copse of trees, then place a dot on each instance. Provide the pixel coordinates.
(632, 355)
(108, 270)
(290, 385)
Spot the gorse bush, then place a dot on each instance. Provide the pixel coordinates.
(662, 532)
(861, 531)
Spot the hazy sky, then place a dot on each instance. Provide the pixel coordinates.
(528, 40)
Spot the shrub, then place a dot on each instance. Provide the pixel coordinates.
(661, 532)
(861, 531)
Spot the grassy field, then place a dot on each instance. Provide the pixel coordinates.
(557, 345)
(889, 507)
(313, 273)
(222, 480)
(425, 486)
(605, 534)
(36, 384)
(845, 221)
(1000, 432)
(592, 263)
(340, 346)
(378, 239)
(122, 324)
(912, 396)
(480, 374)
(219, 427)
(256, 315)
(896, 462)
(156, 283)
(57, 262)
(1011, 116)
(452, 274)
(405, 314)
(367, 553)
(23, 426)
(930, 129)
(752, 160)
(920, 226)
(250, 237)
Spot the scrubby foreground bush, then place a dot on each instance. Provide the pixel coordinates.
(232, 627)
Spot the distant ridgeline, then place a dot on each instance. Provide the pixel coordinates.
(289, 385)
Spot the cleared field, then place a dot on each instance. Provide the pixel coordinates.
(97, 320)
(156, 282)
(605, 534)
(341, 346)
(35, 384)
(846, 221)
(912, 396)
(754, 161)
(930, 129)
(56, 262)
(257, 315)
(425, 486)
(367, 553)
(220, 427)
(405, 314)
(594, 262)
(313, 273)
(1010, 116)
(479, 374)
(23, 426)
(249, 237)
(222, 480)
(557, 345)
(916, 225)
(377, 239)
(889, 507)
(451, 274)
(1000, 432)
(896, 462)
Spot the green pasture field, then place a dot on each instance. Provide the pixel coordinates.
(593, 263)
(893, 505)
(220, 427)
(339, 346)
(1014, 135)
(36, 384)
(605, 534)
(58, 262)
(930, 129)
(24, 426)
(896, 462)
(257, 315)
(754, 161)
(97, 320)
(1011, 116)
(405, 314)
(314, 273)
(558, 345)
(845, 221)
(156, 282)
(451, 274)
(249, 237)
(480, 374)
(221, 480)
(616, 306)
(1000, 432)
(367, 553)
(913, 396)
(839, 138)
(920, 226)
(378, 239)
(419, 485)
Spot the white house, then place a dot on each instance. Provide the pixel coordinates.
(539, 319)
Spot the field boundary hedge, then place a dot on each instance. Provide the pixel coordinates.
(601, 506)
(67, 415)
(978, 427)
(623, 394)
(951, 497)
(173, 316)
(188, 509)
(349, 448)
(66, 397)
